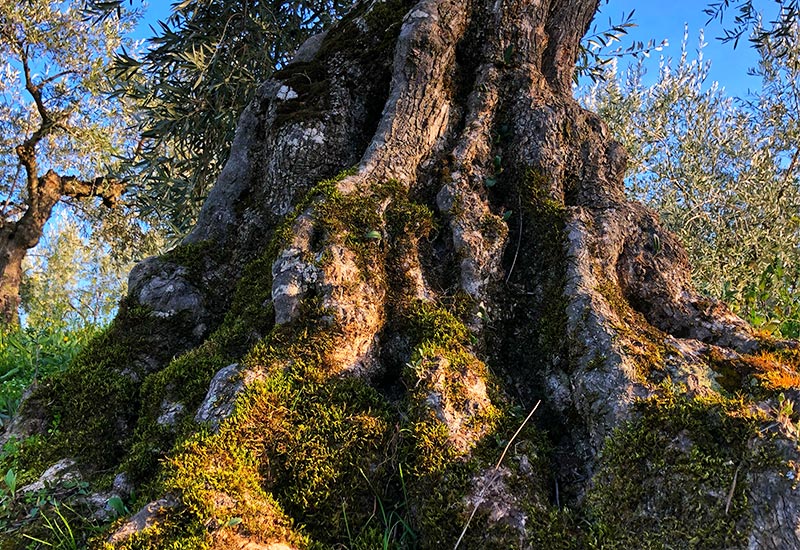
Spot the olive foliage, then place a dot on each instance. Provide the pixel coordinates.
(57, 117)
(722, 172)
(192, 82)
(748, 21)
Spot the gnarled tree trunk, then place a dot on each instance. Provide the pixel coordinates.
(364, 345)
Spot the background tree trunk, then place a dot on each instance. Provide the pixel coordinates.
(365, 350)
(10, 280)
(19, 236)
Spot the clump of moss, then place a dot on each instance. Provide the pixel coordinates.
(444, 454)
(676, 476)
(192, 257)
(186, 379)
(776, 368)
(172, 532)
(763, 374)
(442, 363)
(533, 298)
(362, 222)
(93, 405)
(321, 192)
(318, 444)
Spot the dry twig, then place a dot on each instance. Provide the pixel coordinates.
(479, 500)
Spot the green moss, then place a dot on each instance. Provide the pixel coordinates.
(305, 444)
(538, 316)
(367, 224)
(316, 444)
(327, 450)
(191, 256)
(545, 232)
(171, 533)
(355, 215)
(441, 469)
(309, 80)
(664, 480)
(321, 192)
(732, 375)
(428, 323)
(88, 405)
(444, 477)
(182, 383)
(90, 410)
(185, 380)
(106, 388)
(442, 362)
(641, 341)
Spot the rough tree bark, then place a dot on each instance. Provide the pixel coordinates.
(362, 351)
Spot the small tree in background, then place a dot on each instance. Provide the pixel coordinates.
(71, 279)
(723, 174)
(59, 131)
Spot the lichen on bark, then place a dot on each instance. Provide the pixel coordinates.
(373, 340)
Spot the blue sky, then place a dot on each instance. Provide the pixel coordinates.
(667, 18)
(154, 10)
(655, 19)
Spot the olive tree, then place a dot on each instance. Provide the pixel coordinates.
(58, 128)
(722, 173)
(418, 310)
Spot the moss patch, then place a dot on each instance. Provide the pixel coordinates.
(192, 257)
(640, 341)
(317, 444)
(443, 465)
(536, 308)
(762, 375)
(92, 405)
(667, 479)
(331, 452)
(186, 379)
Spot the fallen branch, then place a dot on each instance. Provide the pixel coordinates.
(733, 488)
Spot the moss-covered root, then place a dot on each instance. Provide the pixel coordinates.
(223, 505)
(458, 420)
(315, 443)
(678, 475)
(327, 450)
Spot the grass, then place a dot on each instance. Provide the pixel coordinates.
(31, 354)
(62, 535)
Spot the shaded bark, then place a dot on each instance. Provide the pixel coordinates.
(383, 330)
